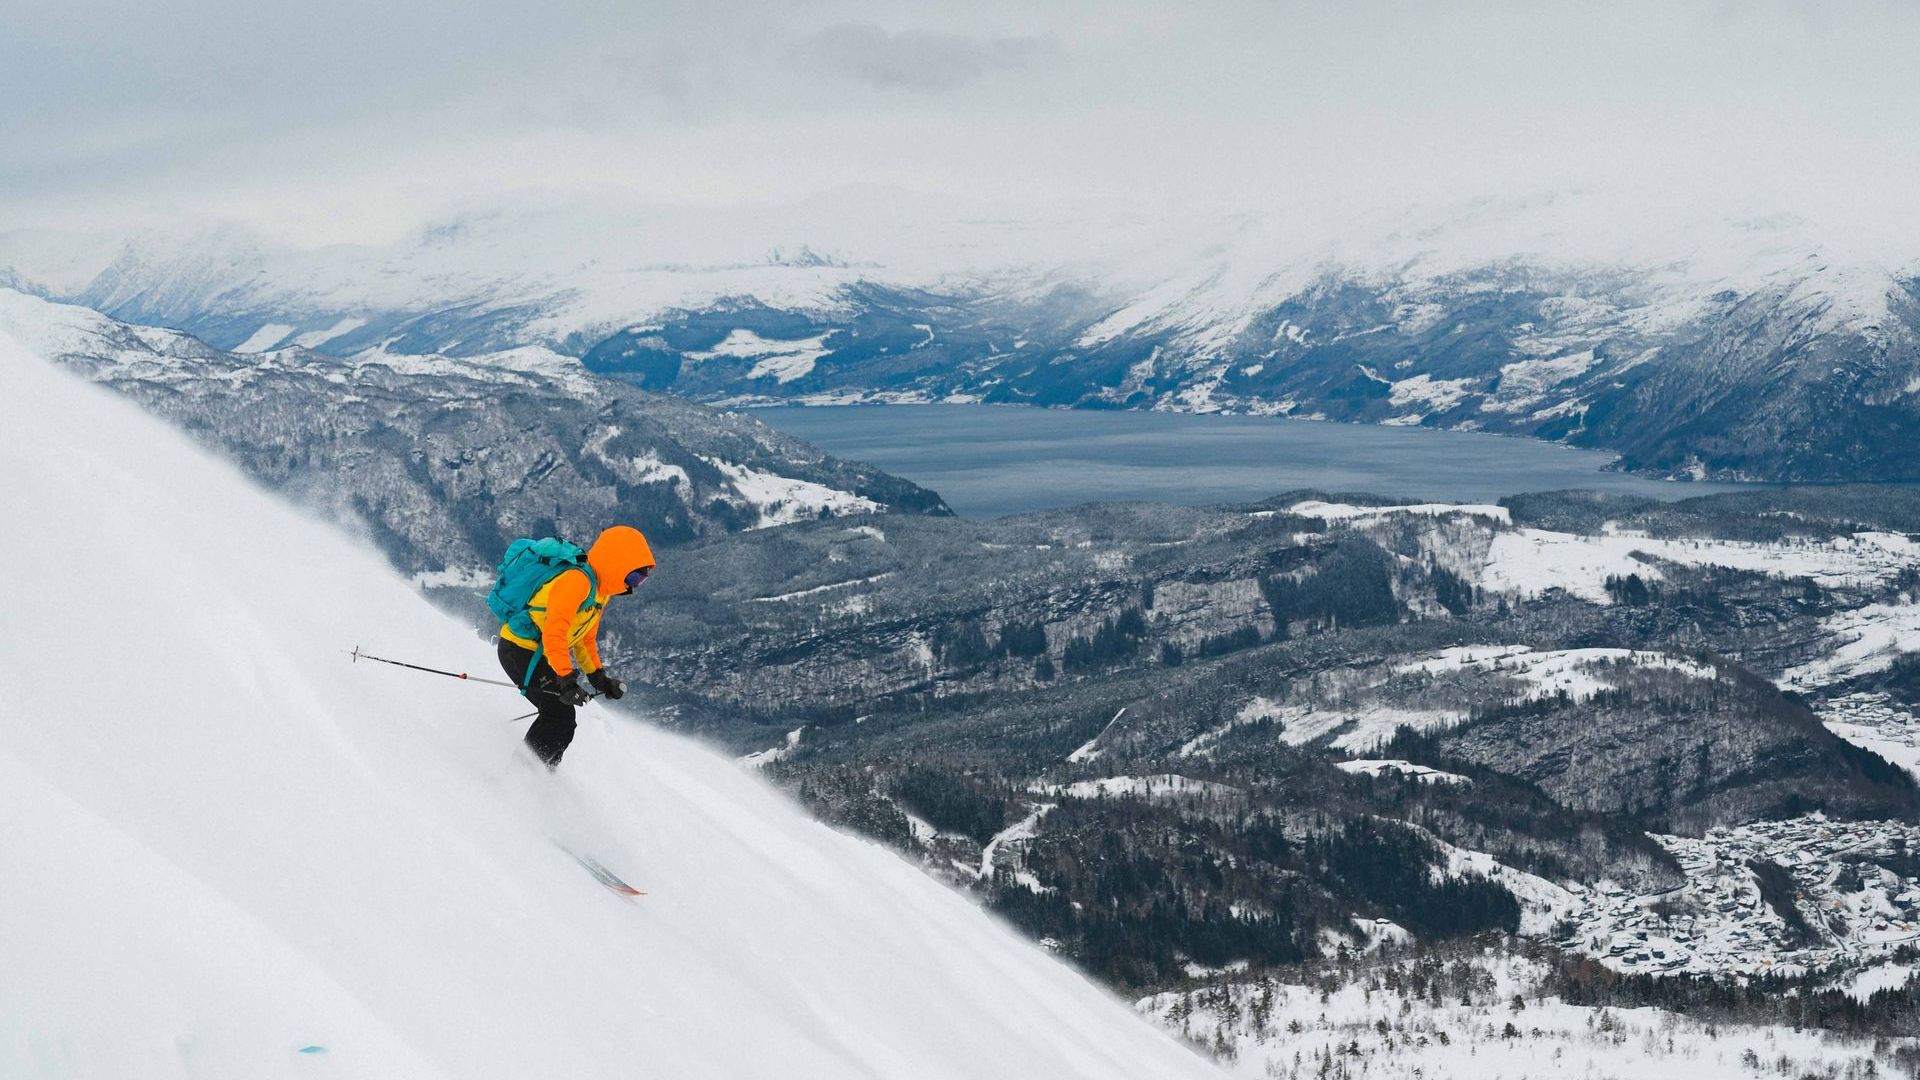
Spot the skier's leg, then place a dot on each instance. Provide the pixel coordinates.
(552, 730)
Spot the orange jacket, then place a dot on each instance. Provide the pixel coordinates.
(566, 630)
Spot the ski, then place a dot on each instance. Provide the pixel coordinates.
(605, 876)
(608, 878)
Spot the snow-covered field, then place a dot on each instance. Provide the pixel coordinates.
(782, 500)
(1525, 382)
(782, 361)
(1542, 903)
(1377, 1025)
(1718, 921)
(760, 759)
(1438, 395)
(1089, 750)
(1359, 718)
(1878, 723)
(1357, 729)
(231, 853)
(1866, 640)
(1529, 562)
(1157, 786)
(265, 338)
(1578, 673)
(1349, 514)
(1024, 829)
(1397, 767)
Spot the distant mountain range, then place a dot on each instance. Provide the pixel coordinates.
(1757, 348)
(442, 460)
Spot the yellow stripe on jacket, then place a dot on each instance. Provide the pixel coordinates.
(567, 634)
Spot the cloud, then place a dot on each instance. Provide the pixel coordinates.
(927, 60)
(357, 119)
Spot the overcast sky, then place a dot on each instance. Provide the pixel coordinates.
(354, 121)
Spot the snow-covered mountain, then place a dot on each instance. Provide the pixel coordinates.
(565, 275)
(1737, 345)
(444, 459)
(232, 853)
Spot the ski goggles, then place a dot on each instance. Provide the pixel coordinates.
(635, 579)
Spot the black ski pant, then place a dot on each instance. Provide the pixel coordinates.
(552, 730)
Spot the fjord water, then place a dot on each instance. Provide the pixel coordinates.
(992, 460)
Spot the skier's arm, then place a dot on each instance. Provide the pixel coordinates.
(569, 591)
(588, 650)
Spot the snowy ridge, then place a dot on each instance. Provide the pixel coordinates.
(240, 847)
(49, 329)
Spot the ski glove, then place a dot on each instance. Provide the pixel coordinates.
(613, 688)
(568, 689)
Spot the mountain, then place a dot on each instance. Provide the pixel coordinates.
(1626, 670)
(1771, 356)
(1737, 347)
(230, 852)
(445, 459)
(1168, 738)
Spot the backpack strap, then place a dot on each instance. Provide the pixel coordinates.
(532, 666)
(593, 589)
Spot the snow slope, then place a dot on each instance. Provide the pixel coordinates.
(1866, 640)
(230, 853)
(1374, 1025)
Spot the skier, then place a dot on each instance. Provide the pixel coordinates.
(566, 612)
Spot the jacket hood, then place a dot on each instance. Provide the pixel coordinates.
(619, 551)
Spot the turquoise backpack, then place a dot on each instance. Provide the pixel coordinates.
(524, 571)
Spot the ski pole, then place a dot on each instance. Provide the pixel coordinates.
(536, 712)
(461, 675)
